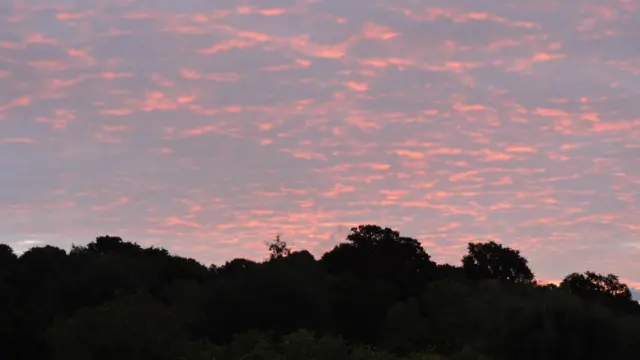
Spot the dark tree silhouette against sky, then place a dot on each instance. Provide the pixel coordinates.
(377, 295)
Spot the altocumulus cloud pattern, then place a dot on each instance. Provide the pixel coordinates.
(209, 126)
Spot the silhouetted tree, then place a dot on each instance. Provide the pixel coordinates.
(8, 264)
(373, 252)
(371, 271)
(281, 296)
(593, 284)
(8, 302)
(112, 244)
(278, 248)
(7, 256)
(604, 289)
(491, 260)
(236, 266)
(40, 289)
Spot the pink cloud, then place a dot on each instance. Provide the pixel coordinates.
(200, 125)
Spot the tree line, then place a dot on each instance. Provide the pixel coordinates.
(378, 295)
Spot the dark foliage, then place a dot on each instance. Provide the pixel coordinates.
(491, 260)
(376, 296)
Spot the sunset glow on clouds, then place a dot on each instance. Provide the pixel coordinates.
(207, 127)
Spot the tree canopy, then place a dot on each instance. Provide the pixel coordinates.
(377, 295)
(491, 260)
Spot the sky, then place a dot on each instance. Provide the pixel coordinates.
(208, 127)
